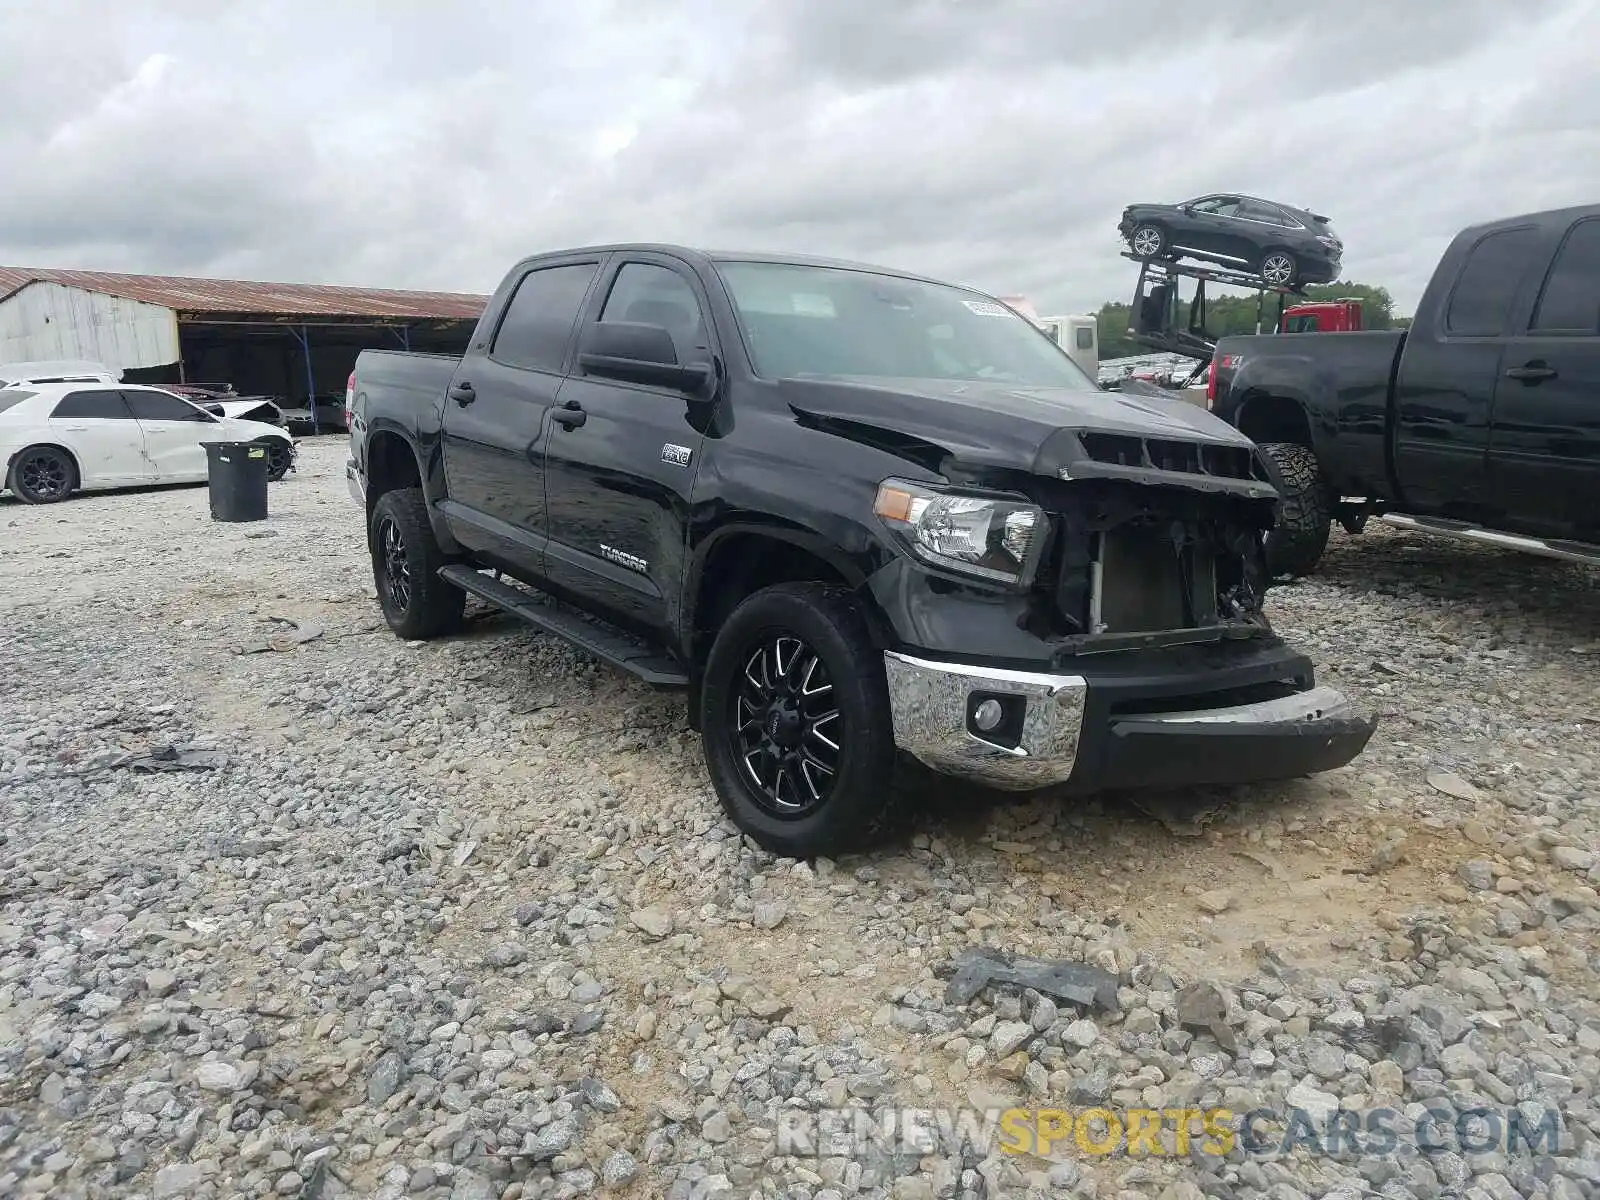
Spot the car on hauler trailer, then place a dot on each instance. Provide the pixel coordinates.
(857, 514)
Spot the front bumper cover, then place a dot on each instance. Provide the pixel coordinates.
(1053, 732)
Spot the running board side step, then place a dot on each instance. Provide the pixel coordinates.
(608, 645)
(1578, 552)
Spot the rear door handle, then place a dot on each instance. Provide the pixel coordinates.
(463, 394)
(1532, 373)
(570, 415)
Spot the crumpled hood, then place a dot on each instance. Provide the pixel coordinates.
(248, 431)
(1001, 425)
(241, 409)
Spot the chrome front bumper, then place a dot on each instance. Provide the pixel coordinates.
(1054, 731)
(1035, 746)
(353, 480)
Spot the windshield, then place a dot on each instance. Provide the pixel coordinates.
(828, 322)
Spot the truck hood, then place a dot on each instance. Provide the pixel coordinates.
(976, 426)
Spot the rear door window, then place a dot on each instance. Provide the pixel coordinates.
(93, 403)
(538, 322)
(1570, 302)
(1481, 299)
(150, 405)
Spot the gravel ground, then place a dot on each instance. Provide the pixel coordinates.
(461, 919)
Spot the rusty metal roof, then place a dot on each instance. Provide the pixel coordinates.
(233, 297)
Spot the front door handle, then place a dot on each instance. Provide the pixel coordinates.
(570, 415)
(1532, 373)
(463, 394)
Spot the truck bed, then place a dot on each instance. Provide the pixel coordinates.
(413, 379)
(1351, 376)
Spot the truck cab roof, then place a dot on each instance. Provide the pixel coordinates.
(708, 257)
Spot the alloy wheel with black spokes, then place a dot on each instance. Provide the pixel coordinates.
(278, 459)
(785, 726)
(406, 558)
(796, 724)
(43, 475)
(396, 565)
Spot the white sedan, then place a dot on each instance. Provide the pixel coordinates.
(59, 438)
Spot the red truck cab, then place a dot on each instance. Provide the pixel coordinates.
(1326, 316)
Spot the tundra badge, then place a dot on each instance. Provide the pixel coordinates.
(623, 559)
(678, 456)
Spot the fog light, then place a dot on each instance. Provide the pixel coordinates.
(987, 715)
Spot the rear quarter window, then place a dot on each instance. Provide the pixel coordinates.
(1481, 300)
(11, 397)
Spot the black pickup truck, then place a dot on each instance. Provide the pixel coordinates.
(856, 514)
(1481, 422)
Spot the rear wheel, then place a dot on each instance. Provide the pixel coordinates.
(1305, 509)
(1279, 268)
(1148, 241)
(43, 475)
(405, 568)
(795, 722)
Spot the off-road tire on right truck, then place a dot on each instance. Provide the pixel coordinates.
(1305, 509)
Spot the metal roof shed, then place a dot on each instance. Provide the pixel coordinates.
(165, 328)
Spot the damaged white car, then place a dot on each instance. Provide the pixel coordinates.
(71, 436)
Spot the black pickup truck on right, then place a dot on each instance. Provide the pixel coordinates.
(1481, 421)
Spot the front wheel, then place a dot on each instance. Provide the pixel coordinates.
(279, 459)
(795, 722)
(406, 559)
(1305, 509)
(1279, 268)
(43, 475)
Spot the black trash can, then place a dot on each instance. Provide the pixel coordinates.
(237, 472)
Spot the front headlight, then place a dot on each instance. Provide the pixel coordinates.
(990, 537)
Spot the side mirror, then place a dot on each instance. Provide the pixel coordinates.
(636, 353)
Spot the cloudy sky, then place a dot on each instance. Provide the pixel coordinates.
(993, 142)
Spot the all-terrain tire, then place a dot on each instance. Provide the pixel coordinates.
(43, 475)
(1305, 509)
(405, 551)
(863, 803)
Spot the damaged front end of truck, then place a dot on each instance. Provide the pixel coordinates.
(1117, 636)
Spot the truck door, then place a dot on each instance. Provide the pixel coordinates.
(1545, 446)
(619, 482)
(1449, 372)
(495, 418)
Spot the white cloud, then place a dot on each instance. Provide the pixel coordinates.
(989, 141)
